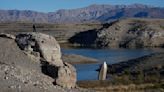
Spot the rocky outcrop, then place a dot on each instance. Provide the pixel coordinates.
(46, 57)
(20, 73)
(48, 50)
(44, 45)
(132, 33)
(128, 33)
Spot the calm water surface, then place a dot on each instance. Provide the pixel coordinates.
(111, 56)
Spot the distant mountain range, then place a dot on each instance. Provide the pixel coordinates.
(92, 13)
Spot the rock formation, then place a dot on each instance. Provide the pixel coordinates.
(41, 54)
(48, 49)
(103, 71)
(126, 33)
(42, 44)
(20, 73)
(132, 33)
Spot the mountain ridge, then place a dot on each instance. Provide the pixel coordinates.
(92, 13)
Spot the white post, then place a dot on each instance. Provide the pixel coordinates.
(103, 71)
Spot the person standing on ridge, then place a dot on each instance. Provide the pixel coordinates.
(34, 28)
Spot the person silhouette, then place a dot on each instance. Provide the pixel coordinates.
(34, 28)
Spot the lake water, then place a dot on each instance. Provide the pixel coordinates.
(111, 56)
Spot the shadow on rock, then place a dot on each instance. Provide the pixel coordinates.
(49, 69)
(86, 38)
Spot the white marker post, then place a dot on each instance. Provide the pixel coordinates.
(103, 71)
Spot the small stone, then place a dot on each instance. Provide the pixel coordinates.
(11, 86)
(35, 84)
(18, 86)
(6, 78)
(6, 72)
(25, 82)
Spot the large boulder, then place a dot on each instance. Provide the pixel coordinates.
(48, 50)
(44, 45)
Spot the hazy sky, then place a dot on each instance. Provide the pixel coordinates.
(53, 5)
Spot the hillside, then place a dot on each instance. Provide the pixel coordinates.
(127, 33)
(92, 13)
